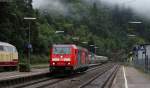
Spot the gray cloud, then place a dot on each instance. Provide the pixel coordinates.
(51, 6)
(141, 7)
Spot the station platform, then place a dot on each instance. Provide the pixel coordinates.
(16, 74)
(130, 77)
(34, 72)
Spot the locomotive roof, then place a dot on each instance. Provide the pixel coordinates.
(5, 44)
(67, 45)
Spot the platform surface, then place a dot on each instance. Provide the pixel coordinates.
(17, 74)
(130, 77)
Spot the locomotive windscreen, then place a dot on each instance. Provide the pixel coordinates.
(61, 50)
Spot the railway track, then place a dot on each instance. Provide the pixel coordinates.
(106, 83)
(78, 81)
(50, 82)
(70, 78)
(43, 82)
(66, 81)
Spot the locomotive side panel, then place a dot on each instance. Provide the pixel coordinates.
(82, 59)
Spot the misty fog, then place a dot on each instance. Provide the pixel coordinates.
(141, 7)
(54, 6)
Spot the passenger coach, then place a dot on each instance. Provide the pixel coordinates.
(8, 56)
(68, 58)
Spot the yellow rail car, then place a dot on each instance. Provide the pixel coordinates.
(8, 55)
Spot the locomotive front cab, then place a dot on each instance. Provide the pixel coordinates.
(8, 56)
(61, 58)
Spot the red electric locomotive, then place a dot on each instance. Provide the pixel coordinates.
(68, 57)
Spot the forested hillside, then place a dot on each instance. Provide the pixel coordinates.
(97, 24)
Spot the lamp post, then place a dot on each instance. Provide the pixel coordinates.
(57, 32)
(29, 46)
(92, 48)
(95, 52)
(85, 42)
(95, 48)
(133, 35)
(76, 40)
(135, 22)
(91, 45)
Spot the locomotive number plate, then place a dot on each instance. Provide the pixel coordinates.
(60, 63)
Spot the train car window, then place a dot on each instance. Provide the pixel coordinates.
(1, 48)
(8, 48)
(5, 48)
(62, 50)
(14, 49)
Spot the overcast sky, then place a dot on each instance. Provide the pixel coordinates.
(53, 6)
(142, 7)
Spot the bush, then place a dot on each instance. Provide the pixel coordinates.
(24, 67)
(35, 59)
(39, 59)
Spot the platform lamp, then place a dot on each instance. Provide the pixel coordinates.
(93, 51)
(95, 48)
(85, 44)
(57, 32)
(133, 22)
(29, 46)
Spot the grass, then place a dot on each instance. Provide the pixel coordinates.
(39, 66)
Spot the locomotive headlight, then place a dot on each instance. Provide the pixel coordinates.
(53, 63)
(55, 59)
(67, 59)
(68, 63)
